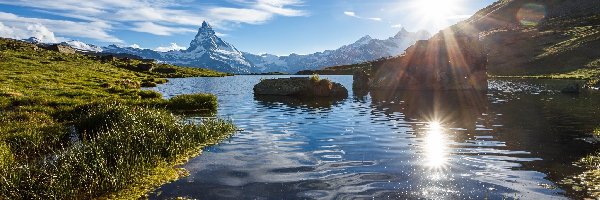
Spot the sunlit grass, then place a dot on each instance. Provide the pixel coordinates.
(73, 127)
(589, 180)
(117, 145)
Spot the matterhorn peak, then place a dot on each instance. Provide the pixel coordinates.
(205, 25)
(205, 30)
(206, 37)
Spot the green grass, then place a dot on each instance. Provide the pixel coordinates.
(590, 74)
(149, 94)
(315, 78)
(193, 102)
(589, 180)
(73, 127)
(118, 144)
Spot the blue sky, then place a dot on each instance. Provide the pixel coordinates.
(279, 27)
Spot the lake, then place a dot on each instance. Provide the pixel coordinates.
(518, 140)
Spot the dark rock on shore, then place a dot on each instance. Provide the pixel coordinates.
(300, 87)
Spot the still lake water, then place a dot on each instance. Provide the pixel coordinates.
(517, 141)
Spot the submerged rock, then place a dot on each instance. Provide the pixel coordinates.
(572, 88)
(300, 87)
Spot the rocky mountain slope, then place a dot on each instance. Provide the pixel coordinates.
(529, 37)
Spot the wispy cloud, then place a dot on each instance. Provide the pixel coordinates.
(397, 26)
(459, 17)
(95, 30)
(350, 13)
(34, 30)
(353, 14)
(97, 19)
(171, 47)
(156, 29)
(135, 46)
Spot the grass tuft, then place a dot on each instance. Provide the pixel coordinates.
(116, 145)
(149, 94)
(193, 102)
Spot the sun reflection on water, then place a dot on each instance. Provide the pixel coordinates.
(436, 146)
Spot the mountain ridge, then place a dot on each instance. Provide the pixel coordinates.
(207, 50)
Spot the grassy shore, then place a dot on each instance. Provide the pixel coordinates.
(589, 74)
(589, 180)
(74, 126)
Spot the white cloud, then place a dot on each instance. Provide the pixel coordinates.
(153, 28)
(172, 46)
(83, 46)
(221, 34)
(459, 17)
(240, 15)
(26, 31)
(397, 26)
(353, 14)
(135, 46)
(350, 13)
(94, 30)
(160, 17)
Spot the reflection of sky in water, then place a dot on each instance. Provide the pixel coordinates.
(358, 147)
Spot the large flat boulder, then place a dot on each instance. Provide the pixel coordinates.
(61, 48)
(300, 87)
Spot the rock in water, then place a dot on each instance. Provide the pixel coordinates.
(448, 61)
(300, 87)
(572, 88)
(361, 80)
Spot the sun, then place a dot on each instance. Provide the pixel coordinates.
(436, 11)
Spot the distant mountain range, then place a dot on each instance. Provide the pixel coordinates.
(207, 50)
(365, 49)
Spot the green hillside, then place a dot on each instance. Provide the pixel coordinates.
(74, 126)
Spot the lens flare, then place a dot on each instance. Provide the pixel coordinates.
(531, 14)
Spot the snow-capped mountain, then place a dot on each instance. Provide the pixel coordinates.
(33, 40)
(207, 50)
(83, 46)
(364, 49)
